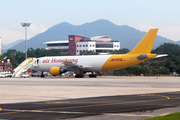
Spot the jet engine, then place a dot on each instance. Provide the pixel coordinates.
(57, 70)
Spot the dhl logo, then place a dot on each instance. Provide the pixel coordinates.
(116, 59)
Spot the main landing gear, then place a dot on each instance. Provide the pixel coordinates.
(79, 76)
(92, 75)
(42, 75)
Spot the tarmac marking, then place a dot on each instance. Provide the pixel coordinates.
(65, 112)
(56, 102)
(164, 96)
(127, 114)
(154, 95)
(174, 92)
(88, 106)
(165, 114)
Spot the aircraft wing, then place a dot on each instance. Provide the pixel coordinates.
(74, 67)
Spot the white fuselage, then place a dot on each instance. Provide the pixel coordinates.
(93, 62)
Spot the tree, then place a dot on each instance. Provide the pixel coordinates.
(154, 66)
(17, 57)
(85, 52)
(120, 51)
(12, 55)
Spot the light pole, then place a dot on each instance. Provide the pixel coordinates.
(25, 25)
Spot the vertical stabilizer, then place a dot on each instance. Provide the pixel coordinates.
(145, 45)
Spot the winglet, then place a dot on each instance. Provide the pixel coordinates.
(146, 43)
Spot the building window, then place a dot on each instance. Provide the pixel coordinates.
(86, 45)
(83, 45)
(100, 45)
(77, 50)
(117, 45)
(77, 45)
(57, 44)
(114, 45)
(93, 45)
(90, 45)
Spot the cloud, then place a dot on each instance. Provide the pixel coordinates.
(169, 32)
(144, 28)
(34, 29)
(9, 36)
(15, 32)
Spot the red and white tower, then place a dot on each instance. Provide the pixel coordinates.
(72, 43)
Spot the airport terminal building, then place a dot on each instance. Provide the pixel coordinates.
(60, 45)
(77, 43)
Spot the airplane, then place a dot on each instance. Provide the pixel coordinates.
(57, 65)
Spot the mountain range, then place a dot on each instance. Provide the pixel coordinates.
(3, 47)
(128, 36)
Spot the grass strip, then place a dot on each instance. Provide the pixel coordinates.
(171, 116)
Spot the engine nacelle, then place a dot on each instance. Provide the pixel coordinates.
(57, 70)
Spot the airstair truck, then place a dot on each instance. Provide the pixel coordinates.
(23, 67)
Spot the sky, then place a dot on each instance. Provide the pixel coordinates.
(43, 14)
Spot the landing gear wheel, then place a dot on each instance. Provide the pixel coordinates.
(92, 75)
(79, 76)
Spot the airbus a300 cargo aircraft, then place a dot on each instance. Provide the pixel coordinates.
(81, 64)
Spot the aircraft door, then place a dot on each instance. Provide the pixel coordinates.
(35, 61)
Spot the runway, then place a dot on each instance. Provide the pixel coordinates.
(121, 106)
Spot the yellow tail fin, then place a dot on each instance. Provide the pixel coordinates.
(145, 45)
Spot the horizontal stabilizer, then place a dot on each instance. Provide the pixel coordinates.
(163, 55)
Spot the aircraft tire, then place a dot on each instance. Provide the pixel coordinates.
(92, 75)
(79, 76)
(42, 76)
